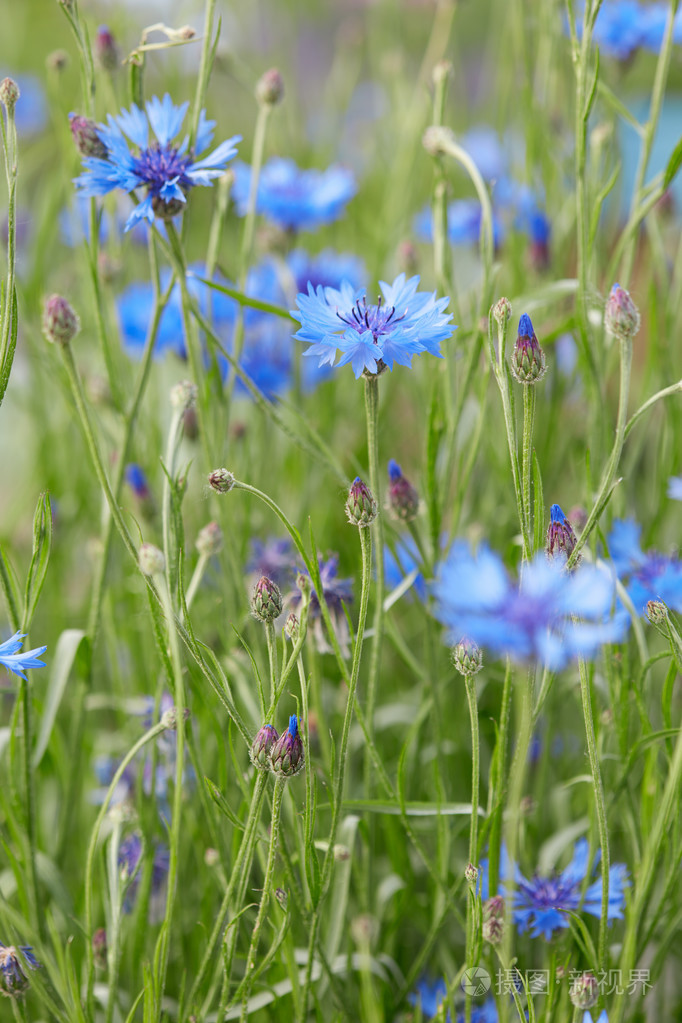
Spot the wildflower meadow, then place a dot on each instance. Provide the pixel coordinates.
(341, 447)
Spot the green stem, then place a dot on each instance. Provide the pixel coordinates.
(527, 455)
(372, 417)
(280, 784)
(470, 683)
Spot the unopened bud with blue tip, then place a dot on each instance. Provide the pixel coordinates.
(560, 536)
(286, 757)
(528, 364)
(403, 499)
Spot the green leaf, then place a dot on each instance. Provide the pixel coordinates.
(8, 359)
(539, 506)
(673, 165)
(222, 804)
(42, 542)
(411, 809)
(61, 664)
(248, 300)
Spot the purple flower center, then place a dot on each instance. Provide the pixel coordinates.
(376, 318)
(160, 164)
(548, 893)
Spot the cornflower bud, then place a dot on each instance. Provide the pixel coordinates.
(60, 321)
(270, 88)
(106, 50)
(471, 873)
(560, 536)
(467, 657)
(361, 508)
(584, 991)
(621, 315)
(287, 753)
(528, 364)
(210, 540)
(9, 94)
(282, 896)
(221, 480)
(13, 980)
(261, 747)
(656, 612)
(169, 718)
(86, 138)
(502, 311)
(292, 627)
(403, 499)
(493, 920)
(436, 139)
(266, 603)
(151, 560)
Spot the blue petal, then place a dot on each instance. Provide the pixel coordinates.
(165, 118)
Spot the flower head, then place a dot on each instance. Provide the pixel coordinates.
(272, 558)
(528, 364)
(17, 663)
(403, 498)
(560, 536)
(286, 755)
(168, 171)
(621, 315)
(361, 508)
(646, 576)
(534, 620)
(13, 980)
(60, 321)
(337, 593)
(266, 602)
(292, 198)
(542, 905)
(403, 323)
(406, 561)
(129, 856)
(261, 747)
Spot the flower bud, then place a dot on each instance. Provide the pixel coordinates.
(287, 753)
(211, 857)
(361, 508)
(210, 540)
(9, 94)
(493, 920)
(528, 364)
(292, 627)
(60, 321)
(282, 896)
(560, 536)
(441, 71)
(467, 657)
(266, 603)
(270, 88)
(502, 311)
(471, 873)
(13, 980)
(99, 947)
(621, 315)
(221, 480)
(261, 747)
(584, 991)
(86, 138)
(656, 612)
(403, 499)
(151, 560)
(169, 718)
(106, 50)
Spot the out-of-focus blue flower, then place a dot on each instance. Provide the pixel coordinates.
(464, 223)
(292, 198)
(12, 975)
(650, 576)
(624, 26)
(405, 322)
(166, 170)
(566, 354)
(602, 1018)
(30, 112)
(675, 488)
(273, 559)
(136, 480)
(430, 995)
(483, 145)
(328, 269)
(129, 854)
(401, 564)
(337, 593)
(15, 661)
(535, 620)
(542, 904)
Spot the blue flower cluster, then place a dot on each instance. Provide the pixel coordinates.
(550, 617)
(16, 662)
(404, 322)
(295, 199)
(625, 26)
(167, 171)
(268, 355)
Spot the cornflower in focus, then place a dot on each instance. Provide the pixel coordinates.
(543, 904)
(646, 576)
(292, 198)
(534, 620)
(166, 170)
(18, 662)
(13, 980)
(403, 323)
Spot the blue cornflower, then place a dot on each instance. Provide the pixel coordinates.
(129, 855)
(328, 269)
(483, 145)
(464, 223)
(542, 905)
(535, 620)
(272, 559)
(602, 1018)
(404, 322)
(137, 481)
(398, 565)
(675, 488)
(12, 976)
(295, 199)
(167, 171)
(429, 995)
(650, 576)
(17, 663)
(624, 26)
(337, 593)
